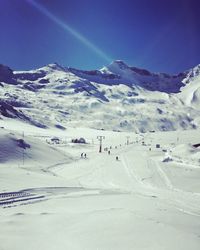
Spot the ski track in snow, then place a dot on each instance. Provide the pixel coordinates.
(161, 172)
(180, 200)
(99, 193)
(138, 186)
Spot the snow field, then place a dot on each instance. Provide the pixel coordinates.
(57, 200)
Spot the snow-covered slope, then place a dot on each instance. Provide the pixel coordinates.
(136, 202)
(15, 149)
(116, 97)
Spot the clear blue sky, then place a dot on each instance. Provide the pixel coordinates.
(159, 35)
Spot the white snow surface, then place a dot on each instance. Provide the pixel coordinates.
(51, 198)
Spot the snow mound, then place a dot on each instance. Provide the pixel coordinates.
(186, 154)
(15, 148)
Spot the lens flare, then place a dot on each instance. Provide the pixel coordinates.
(70, 30)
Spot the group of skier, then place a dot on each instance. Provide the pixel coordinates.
(117, 158)
(84, 155)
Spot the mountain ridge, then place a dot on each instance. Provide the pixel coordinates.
(113, 71)
(116, 97)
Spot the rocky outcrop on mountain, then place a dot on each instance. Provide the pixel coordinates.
(6, 75)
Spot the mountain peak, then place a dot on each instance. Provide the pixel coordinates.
(51, 67)
(118, 64)
(196, 70)
(55, 66)
(192, 73)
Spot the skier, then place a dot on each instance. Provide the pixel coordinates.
(109, 152)
(117, 158)
(81, 155)
(85, 155)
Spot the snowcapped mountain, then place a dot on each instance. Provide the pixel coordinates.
(120, 73)
(116, 97)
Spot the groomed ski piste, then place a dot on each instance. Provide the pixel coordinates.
(52, 198)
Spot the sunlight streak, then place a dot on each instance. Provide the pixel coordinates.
(70, 30)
